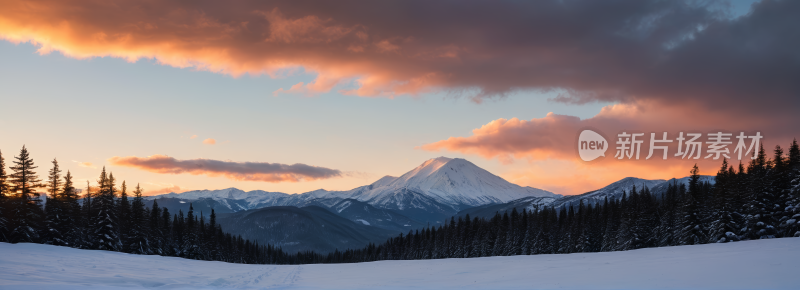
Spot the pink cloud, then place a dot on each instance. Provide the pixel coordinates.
(239, 171)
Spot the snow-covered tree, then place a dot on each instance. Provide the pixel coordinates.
(27, 213)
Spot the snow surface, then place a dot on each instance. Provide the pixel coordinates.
(762, 264)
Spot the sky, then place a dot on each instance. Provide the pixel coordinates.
(294, 96)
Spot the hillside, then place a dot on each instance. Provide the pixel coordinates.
(295, 229)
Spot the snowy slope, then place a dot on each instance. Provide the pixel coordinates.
(662, 187)
(527, 203)
(237, 200)
(611, 191)
(761, 264)
(434, 190)
(455, 182)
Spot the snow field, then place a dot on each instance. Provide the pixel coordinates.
(763, 264)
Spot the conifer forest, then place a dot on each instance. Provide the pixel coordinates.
(757, 200)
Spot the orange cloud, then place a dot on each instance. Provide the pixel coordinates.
(570, 177)
(621, 51)
(550, 145)
(239, 171)
(210, 141)
(164, 189)
(193, 136)
(85, 164)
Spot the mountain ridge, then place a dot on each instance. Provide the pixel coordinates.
(439, 187)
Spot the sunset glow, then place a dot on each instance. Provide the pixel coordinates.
(329, 97)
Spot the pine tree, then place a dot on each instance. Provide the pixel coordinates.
(123, 216)
(190, 243)
(27, 210)
(69, 222)
(692, 229)
(105, 227)
(624, 237)
(5, 206)
(723, 227)
(154, 230)
(167, 241)
(789, 225)
(139, 243)
(669, 216)
(759, 199)
(54, 208)
(211, 236)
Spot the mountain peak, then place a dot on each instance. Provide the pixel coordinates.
(452, 181)
(435, 163)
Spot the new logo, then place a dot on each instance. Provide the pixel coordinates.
(591, 145)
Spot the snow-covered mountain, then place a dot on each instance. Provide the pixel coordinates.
(437, 189)
(611, 191)
(236, 200)
(455, 182)
(661, 188)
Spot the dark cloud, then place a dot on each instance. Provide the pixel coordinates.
(686, 52)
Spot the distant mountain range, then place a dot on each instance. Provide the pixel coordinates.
(433, 192)
(612, 191)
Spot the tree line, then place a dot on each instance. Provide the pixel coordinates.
(757, 201)
(107, 218)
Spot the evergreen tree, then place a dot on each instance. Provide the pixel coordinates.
(669, 215)
(69, 221)
(624, 236)
(154, 229)
(759, 198)
(104, 226)
(789, 221)
(123, 216)
(692, 229)
(723, 227)
(138, 236)
(167, 245)
(27, 216)
(190, 242)
(87, 218)
(5, 206)
(54, 208)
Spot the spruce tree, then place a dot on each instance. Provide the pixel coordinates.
(692, 229)
(167, 245)
(69, 222)
(5, 207)
(27, 213)
(760, 202)
(139, 243)
(123, 216)
(54, 208)
(624, 236)
(105, 227)
(790, 220)
(723, 227)
(87, 219)
(154, 229)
